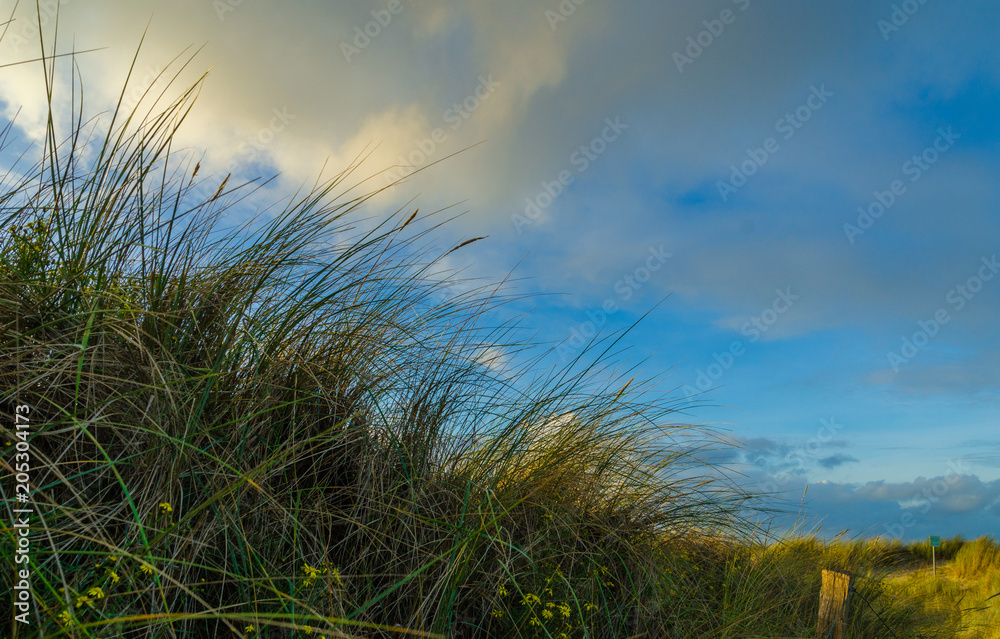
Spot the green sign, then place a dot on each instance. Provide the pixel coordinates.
(935, 542)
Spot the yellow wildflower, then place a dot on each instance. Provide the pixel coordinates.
(146, 568)
(311, 574)
(96, 592)
(113, 575)
(165, 507)
(310, 571)
(535, 622)
(307, 629)
(497, 613)
(547, 614)
(249, 630)
(530, 599)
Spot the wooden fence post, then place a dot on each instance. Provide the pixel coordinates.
(834, 605)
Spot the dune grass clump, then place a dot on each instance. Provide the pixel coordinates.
(281, 428)
(976, 558)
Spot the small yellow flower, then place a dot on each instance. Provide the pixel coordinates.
(84, 599)
(547, 614)
(96, 592)
(311, 574)
(535, 622)
(249, 630)
(166, 507)
(335, 575)
(588, 607)
(502, 590)
(114, 576)
(65, 619)
(146, 568)
(497, 613)
(112, 558)
(530, 599)
(307, 629)
(565, 610)
(310, 571)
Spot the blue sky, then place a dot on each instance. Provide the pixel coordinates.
(803, 198)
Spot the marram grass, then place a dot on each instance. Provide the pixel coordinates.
(265, 430)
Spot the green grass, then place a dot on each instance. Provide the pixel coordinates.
(283, 429)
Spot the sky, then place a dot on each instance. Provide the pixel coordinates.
(799, 201)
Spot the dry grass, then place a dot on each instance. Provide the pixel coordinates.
(967, 585)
